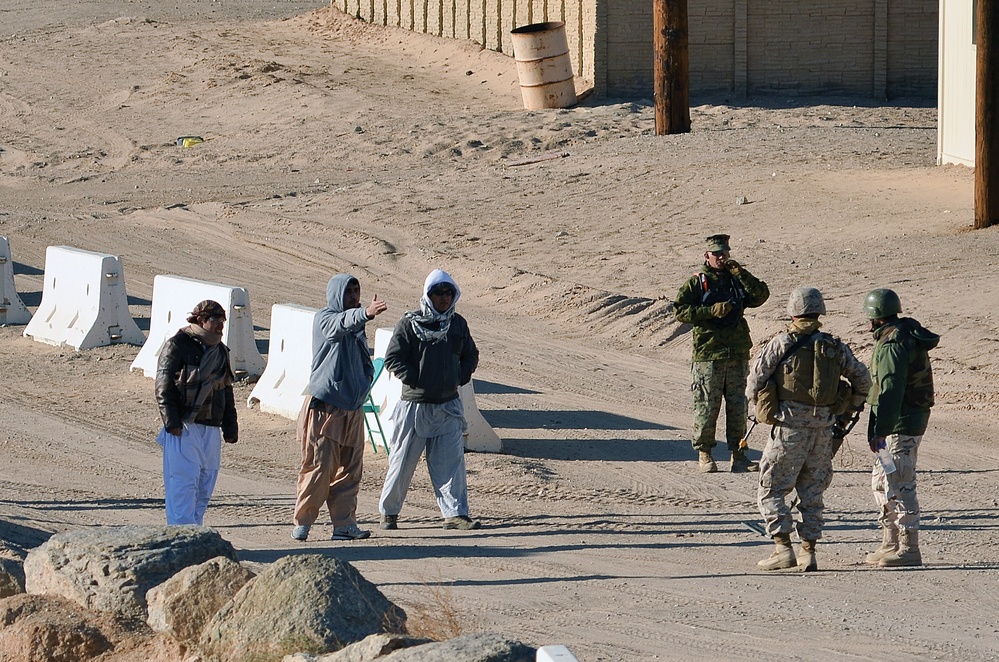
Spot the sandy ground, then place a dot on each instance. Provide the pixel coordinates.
(335, 146)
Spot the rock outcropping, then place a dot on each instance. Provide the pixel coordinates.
(307, 603)
(181, 606)
(110, 569)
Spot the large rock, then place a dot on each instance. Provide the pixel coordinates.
(182, 605)
(306, 603)
(370, 648)
(483, 647)
(111, 568)
(49, 629)
(11, 569)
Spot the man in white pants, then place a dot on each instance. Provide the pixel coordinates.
(194, 393)
(433, 354)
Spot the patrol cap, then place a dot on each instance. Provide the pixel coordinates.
(718, 242)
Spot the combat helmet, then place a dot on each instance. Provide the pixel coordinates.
(805, 301)
(881, 303)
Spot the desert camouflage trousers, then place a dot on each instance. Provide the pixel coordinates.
(895, 493)
(710, 381)
(798, 459)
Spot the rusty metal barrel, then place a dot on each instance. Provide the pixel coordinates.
(543, 66)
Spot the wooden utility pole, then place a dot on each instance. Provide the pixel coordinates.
(986, 116)
(672, 67)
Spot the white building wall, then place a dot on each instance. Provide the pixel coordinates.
(956, 84)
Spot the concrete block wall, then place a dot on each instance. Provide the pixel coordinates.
(913, 48)
(863, 48)
(487, 22)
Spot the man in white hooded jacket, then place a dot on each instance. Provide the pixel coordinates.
(432, 353)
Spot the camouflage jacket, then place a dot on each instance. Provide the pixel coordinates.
(903, 380)
(727, 338)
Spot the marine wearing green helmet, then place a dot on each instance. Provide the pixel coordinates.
(881, 304)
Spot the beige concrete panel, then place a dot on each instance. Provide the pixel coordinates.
(477, 21)
(521, 17)
(461, 26)
(406, 15)
(580, 52)
(435, 17)
(448, 22)
(421, 12)
(494, 24)
(392, 12)
(508, 21)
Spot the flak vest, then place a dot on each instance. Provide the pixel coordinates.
(811, 375)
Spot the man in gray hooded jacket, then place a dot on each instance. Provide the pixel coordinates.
(330, 426)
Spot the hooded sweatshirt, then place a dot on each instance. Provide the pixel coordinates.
(431, 368)
(341, 365)
(903, 380)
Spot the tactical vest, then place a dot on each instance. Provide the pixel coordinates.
(722, 287)
(811, 375)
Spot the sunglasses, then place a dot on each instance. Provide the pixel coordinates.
(215, 318)
(442, 291)
(718, 253)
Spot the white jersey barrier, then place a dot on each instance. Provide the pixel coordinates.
(479, 436)
(555, 654)
(174, 297)
(12, 309)
(281, 389)
(84, 304)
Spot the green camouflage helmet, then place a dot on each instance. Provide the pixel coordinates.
(881, 304)
(805, 301)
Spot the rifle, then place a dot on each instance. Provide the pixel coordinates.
(744, 443)
(842, 426)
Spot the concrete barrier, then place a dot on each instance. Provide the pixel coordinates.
(479, 437)
(12, 309)
(555, 654)
(281, 389)
(174, 297)
(84, 304)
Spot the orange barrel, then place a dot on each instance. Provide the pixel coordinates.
(542, 54)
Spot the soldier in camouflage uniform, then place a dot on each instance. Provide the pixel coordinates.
(807, 367)
(713, 301)
(900, 410)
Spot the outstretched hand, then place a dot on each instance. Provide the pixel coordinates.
(375, 308)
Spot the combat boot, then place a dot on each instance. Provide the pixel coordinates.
(807, 559)
(742, 464)
(783, 554)
(908, 551)
(889, 545)
(706, 463)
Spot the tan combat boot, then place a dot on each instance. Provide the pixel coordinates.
(908, 551)
(706, 463)
(783, 555)
(742, 464)
(807, 559)
(889, 545)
